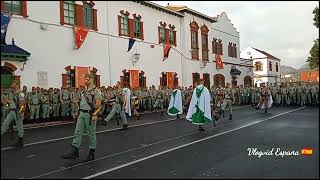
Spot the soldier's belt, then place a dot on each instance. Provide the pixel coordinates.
(12, 109)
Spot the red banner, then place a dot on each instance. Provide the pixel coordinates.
(80, 72)
(134, 78)
(219, 64)
(170, 79)
(81, 34)
(166, 50)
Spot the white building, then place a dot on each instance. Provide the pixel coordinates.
(266, 68)
(46, 30)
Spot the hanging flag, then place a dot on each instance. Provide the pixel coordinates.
(134, 78)
(219, 64)
(170, 79)
(81, 34)
(131, 42)
(166, 50)
(80, 73)
(5, 18)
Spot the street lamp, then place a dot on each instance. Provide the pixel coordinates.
(136, 57)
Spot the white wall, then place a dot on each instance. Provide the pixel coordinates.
(53, 49)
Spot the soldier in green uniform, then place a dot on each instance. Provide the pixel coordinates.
(65, 102)
(55, 99)
(118, 105)
(4, 105)
(75, 98)
(159, 100)
(284, 96)
(15, 100)
(309, 94)
(45, 100)
(293, 94)
(34, 104)
(213, 96)
(90, 107)
(228, 100)
(315, 92)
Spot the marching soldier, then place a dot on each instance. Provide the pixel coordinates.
(284, 96)
(309, 94)
(150, 98)
(315, 92)
(75, 98)
(4, 105)
(45, 99)
(213, 96)
(90, 107)
(15, 97)
(55, 99)
(159, 100)
(265, 99)
(34, 104)
(293, 94)
(228, 100)
(119, 104)
(65, 102)
(219, 99)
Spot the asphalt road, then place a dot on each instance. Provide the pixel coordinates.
(165, 147)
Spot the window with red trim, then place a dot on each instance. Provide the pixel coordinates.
(214, 46)
(76, 14)
(130, 27)
(204, 42)
(194, 40)
(162, 34)
(15, 7)
(167, 35)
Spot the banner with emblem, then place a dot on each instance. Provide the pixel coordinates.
(166, 50)
(80, 73)
(219, 64)
(5, 19)
(81, 34)
(134, 78)
(170, 79)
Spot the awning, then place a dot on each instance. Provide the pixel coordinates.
(234, 71)
(13, 52)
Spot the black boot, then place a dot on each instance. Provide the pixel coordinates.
(19, 144)
(265, 110)
(90, 156)
(161, 114)
(124, 127)
(223, 114)
(201, 128)
(257, 108)
(230, 117)
(72, 154)
(178, 117)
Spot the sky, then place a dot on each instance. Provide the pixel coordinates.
(282, 28)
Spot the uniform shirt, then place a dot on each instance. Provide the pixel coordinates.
(90, 94)
(35, 99)
(228, 93)
(55, 98)
(65, 95)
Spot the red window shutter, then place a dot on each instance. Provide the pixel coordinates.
(79, 15)
(61, 12)
(167, 36)
(175, 38)
(119, 25)
(141, 31)
(2, 5)
(98, 80)
(159, 34)
(121, 81)
(144, 82)
(95, 24)
(161, 84)
(131, 28)
(64, 80)
(235, 52)
(24, 8)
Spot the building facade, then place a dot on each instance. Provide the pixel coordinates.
(46, 30)
(266, 68)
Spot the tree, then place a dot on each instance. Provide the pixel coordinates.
(316, 16)
(314, 52)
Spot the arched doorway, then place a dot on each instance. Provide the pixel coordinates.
(247, 81)
(219, 80)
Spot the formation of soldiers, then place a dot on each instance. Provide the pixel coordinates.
(63, 104)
